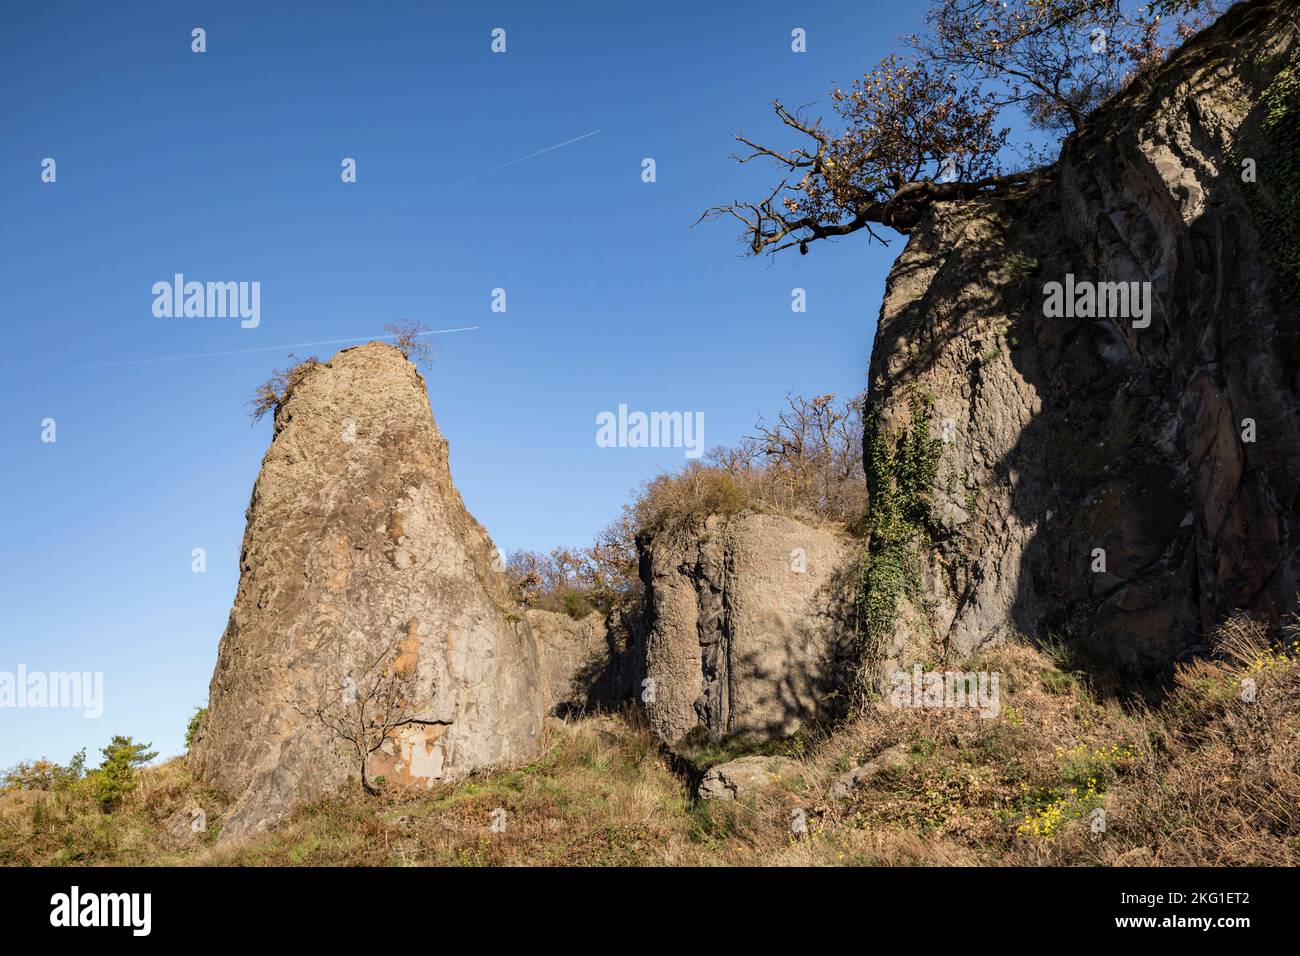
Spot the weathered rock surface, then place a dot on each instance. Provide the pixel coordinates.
(1068, 437)
(359, 549)
(184, 828)
(862, 776)
(573, 656)
(746, 777)
(743, 635)
(598, 659)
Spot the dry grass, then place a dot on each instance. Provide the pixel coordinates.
(700, 490)
(1205, 778)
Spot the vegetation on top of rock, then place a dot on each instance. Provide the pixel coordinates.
(271, 394)
(805, 464)
(928, 128)
(408, 338)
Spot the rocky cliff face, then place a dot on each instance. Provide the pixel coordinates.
(744, 635)
(1120, 473)
(598, 659)
(363, 581)
(1120, 484)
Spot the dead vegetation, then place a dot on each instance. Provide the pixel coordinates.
(271, 394)
(804, 464)
(1209, 777)
(408, 338)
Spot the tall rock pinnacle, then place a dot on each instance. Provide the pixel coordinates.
(372, 624)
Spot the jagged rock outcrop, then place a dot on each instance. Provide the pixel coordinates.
(1122, 485)
(744, 636)
(361, 566)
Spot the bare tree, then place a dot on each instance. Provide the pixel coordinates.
(409, 337)
(907, 126)
(603, 575)
(737, 459)
(1056, 59)
(926, 129)
(815, 447)
(270, 395)
(367, 708)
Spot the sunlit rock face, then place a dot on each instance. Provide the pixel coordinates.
(363, 578)
(747, 631)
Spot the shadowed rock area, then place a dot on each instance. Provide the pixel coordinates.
(1125, 487)
(361, 570)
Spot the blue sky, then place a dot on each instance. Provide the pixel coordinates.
(225, 166)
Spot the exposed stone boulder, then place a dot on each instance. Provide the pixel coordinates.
(1121, 484)
(184, 828)
(743, 631)
(360, 561)
(746, 777)
(859, 777)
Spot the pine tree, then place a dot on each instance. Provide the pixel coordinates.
(116, 776)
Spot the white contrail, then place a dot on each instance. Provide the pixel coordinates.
(267, 348)
(512, 162)
(494, 169)
(304, 345)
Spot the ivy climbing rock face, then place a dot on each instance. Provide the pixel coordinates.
(902, 469)
(1272, 193)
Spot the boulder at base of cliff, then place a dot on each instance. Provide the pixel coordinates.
(363, 582)
(746, 777)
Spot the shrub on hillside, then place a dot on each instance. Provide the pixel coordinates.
(45, 775)
(192, 728)
(576, 581)
(117, 775)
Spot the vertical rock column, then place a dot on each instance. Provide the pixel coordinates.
(359, 549)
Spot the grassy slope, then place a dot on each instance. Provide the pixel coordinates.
(1204, 779)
